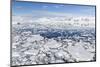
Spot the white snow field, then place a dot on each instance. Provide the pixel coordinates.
(47, 40)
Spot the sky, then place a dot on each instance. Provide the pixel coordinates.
(50, 9)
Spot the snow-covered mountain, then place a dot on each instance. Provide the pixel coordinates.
(46, 40)
(59, 22)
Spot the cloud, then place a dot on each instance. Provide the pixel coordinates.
(45, 6)
(49, 13)
(20, 7)
(56, 6)
(23, 8)
(61, 5)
